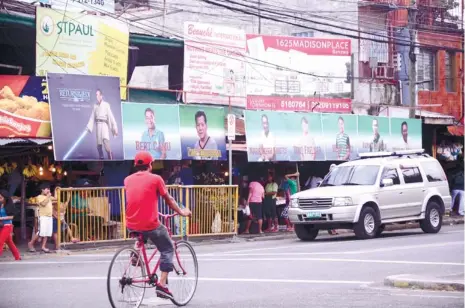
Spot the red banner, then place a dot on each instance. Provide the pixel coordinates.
(310, 46)
(24, 109)
(315, 104)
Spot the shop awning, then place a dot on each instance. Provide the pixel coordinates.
(24, 141)
(455, 130)
(428, 117)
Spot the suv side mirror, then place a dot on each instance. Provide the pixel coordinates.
(318, 183)
(387, 182)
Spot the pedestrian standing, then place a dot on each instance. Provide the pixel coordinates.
(255, 202)
(7, 212)
(44, 201)
(269, 205)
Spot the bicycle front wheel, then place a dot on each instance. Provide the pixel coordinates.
(183, 280)
(126, 279)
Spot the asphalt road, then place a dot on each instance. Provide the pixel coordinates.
(330, 272)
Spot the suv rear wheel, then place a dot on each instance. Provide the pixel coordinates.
(367, 225)
(306, 232)
(433, 218)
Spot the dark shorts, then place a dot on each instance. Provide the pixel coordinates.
(55, 225)
(256, 210)
(269, 208)
(161, 239)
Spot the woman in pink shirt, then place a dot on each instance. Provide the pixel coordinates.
(256, 195)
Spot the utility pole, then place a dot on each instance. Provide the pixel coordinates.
(412, 19)
(259, 18)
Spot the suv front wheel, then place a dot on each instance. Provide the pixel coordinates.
(367, 225)
(306, 232)
(433, 218)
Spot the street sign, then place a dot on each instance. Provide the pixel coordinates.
(231, 126)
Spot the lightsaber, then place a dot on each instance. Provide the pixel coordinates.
(84, 133)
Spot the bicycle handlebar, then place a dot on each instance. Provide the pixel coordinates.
(167, 216)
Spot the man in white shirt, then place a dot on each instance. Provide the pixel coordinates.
(307, 143)
(268, 142)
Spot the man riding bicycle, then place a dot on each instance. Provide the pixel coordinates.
(142, 191)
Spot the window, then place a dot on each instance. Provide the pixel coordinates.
(351, 175)
(433, 171)
(391, 173)
(411, 175)
(450, 78)
(426, 70)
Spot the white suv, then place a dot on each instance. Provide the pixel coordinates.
(377, 189)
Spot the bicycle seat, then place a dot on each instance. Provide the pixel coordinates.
(135, 234)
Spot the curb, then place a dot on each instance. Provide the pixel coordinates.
(425, 283)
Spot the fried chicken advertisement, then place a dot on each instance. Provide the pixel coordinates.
(24, 108)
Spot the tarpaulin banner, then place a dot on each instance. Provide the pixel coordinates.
(153, 128)
(291, 136)
(202, 132)
(24, 108)
(86, 117)
(75, 43)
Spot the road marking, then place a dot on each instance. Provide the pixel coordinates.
(255, 259)
(336, 260)
(201, 279)
(333, 241)
(428, 296)
(355, 251)
(460, 231)
(396, 248)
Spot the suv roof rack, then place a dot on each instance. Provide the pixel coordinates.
(392, 154)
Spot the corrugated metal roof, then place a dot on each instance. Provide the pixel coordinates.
(38, 141)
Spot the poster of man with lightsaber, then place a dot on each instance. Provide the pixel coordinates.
(86, 111)
(104, 121)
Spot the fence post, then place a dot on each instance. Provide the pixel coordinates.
(123, 214)
(58, 218)
(187, 204)
(236, 203)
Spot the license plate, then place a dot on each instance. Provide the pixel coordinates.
(313, 215)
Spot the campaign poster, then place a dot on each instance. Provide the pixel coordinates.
(86, 117)
(373, 134)
(266, 132)
(24, 108)
(405, 134)
(304, 138)
(202, 132)
(153, 128)
(340, 132)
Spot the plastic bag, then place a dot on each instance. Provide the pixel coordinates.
(216, 225)
(247, 210)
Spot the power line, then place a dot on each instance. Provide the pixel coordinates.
(398, 41)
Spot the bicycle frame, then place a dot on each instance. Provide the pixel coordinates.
(141, 245)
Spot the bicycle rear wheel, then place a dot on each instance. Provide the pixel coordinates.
(127, 265)
(182, 282)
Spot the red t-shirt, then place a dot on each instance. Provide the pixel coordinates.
(142, 191)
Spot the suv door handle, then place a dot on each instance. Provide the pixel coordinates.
(401, 193)
(423, 190)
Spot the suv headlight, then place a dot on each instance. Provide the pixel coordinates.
(295, 202)
(342, 201)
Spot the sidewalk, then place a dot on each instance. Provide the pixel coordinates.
(112, 245)
(424, 282)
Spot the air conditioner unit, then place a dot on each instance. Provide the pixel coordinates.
(384, 72)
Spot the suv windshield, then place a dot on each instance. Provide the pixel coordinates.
(351, 175)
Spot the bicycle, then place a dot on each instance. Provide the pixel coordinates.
(138, 260)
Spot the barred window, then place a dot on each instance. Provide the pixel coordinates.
(426, 70)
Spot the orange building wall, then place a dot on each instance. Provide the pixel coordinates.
(452, 102)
